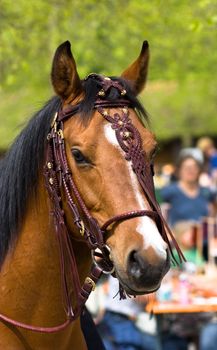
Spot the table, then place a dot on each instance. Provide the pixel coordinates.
(158, 308)
(161, 308)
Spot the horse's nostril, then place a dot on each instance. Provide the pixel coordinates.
(145, 271)
(135, 264)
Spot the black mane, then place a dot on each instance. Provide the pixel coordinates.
(20, 166)
(19, 173)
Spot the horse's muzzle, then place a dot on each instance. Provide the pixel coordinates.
(142, 275)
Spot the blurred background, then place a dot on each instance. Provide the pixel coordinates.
(106, 36)
(181, 100)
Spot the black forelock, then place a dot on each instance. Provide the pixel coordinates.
(91, 88)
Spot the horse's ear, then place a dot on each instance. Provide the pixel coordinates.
(136, 74)
(64, 75)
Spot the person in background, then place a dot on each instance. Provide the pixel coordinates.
(186, 198)
(186, 233)
(195, 152)
(177, 328)
(117, 326)
(163, 175)
(206, 145)
(208, 336)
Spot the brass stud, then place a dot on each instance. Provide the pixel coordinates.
(123, 92)
(91, 282)
(54, 120)
(105, 113)
(126, 134)
(120, 122)
(60, 134)
(49, 165)
(125, 110)
(82, 229)
(101, 93)
(51, 180)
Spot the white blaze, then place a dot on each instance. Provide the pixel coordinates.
(146, 227)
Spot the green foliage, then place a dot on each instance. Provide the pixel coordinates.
(106, 36)
(182, 108)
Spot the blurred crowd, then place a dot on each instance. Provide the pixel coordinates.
(187, 193)
(188, 188)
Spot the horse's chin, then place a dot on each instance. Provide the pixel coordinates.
(131, 289)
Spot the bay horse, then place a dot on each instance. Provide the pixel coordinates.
(77, 200)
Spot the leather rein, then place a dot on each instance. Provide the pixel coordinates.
(59, 181)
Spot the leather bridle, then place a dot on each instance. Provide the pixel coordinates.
(60, 182)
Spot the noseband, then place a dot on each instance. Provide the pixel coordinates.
(60, 182)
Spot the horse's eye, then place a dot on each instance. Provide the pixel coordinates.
(79, 157)
(154, 152)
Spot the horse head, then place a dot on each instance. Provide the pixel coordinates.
(109, 153)
(97, 161)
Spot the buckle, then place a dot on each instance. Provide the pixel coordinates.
(54, 122)
(82, 229)
(97, 263)
(90, 281)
